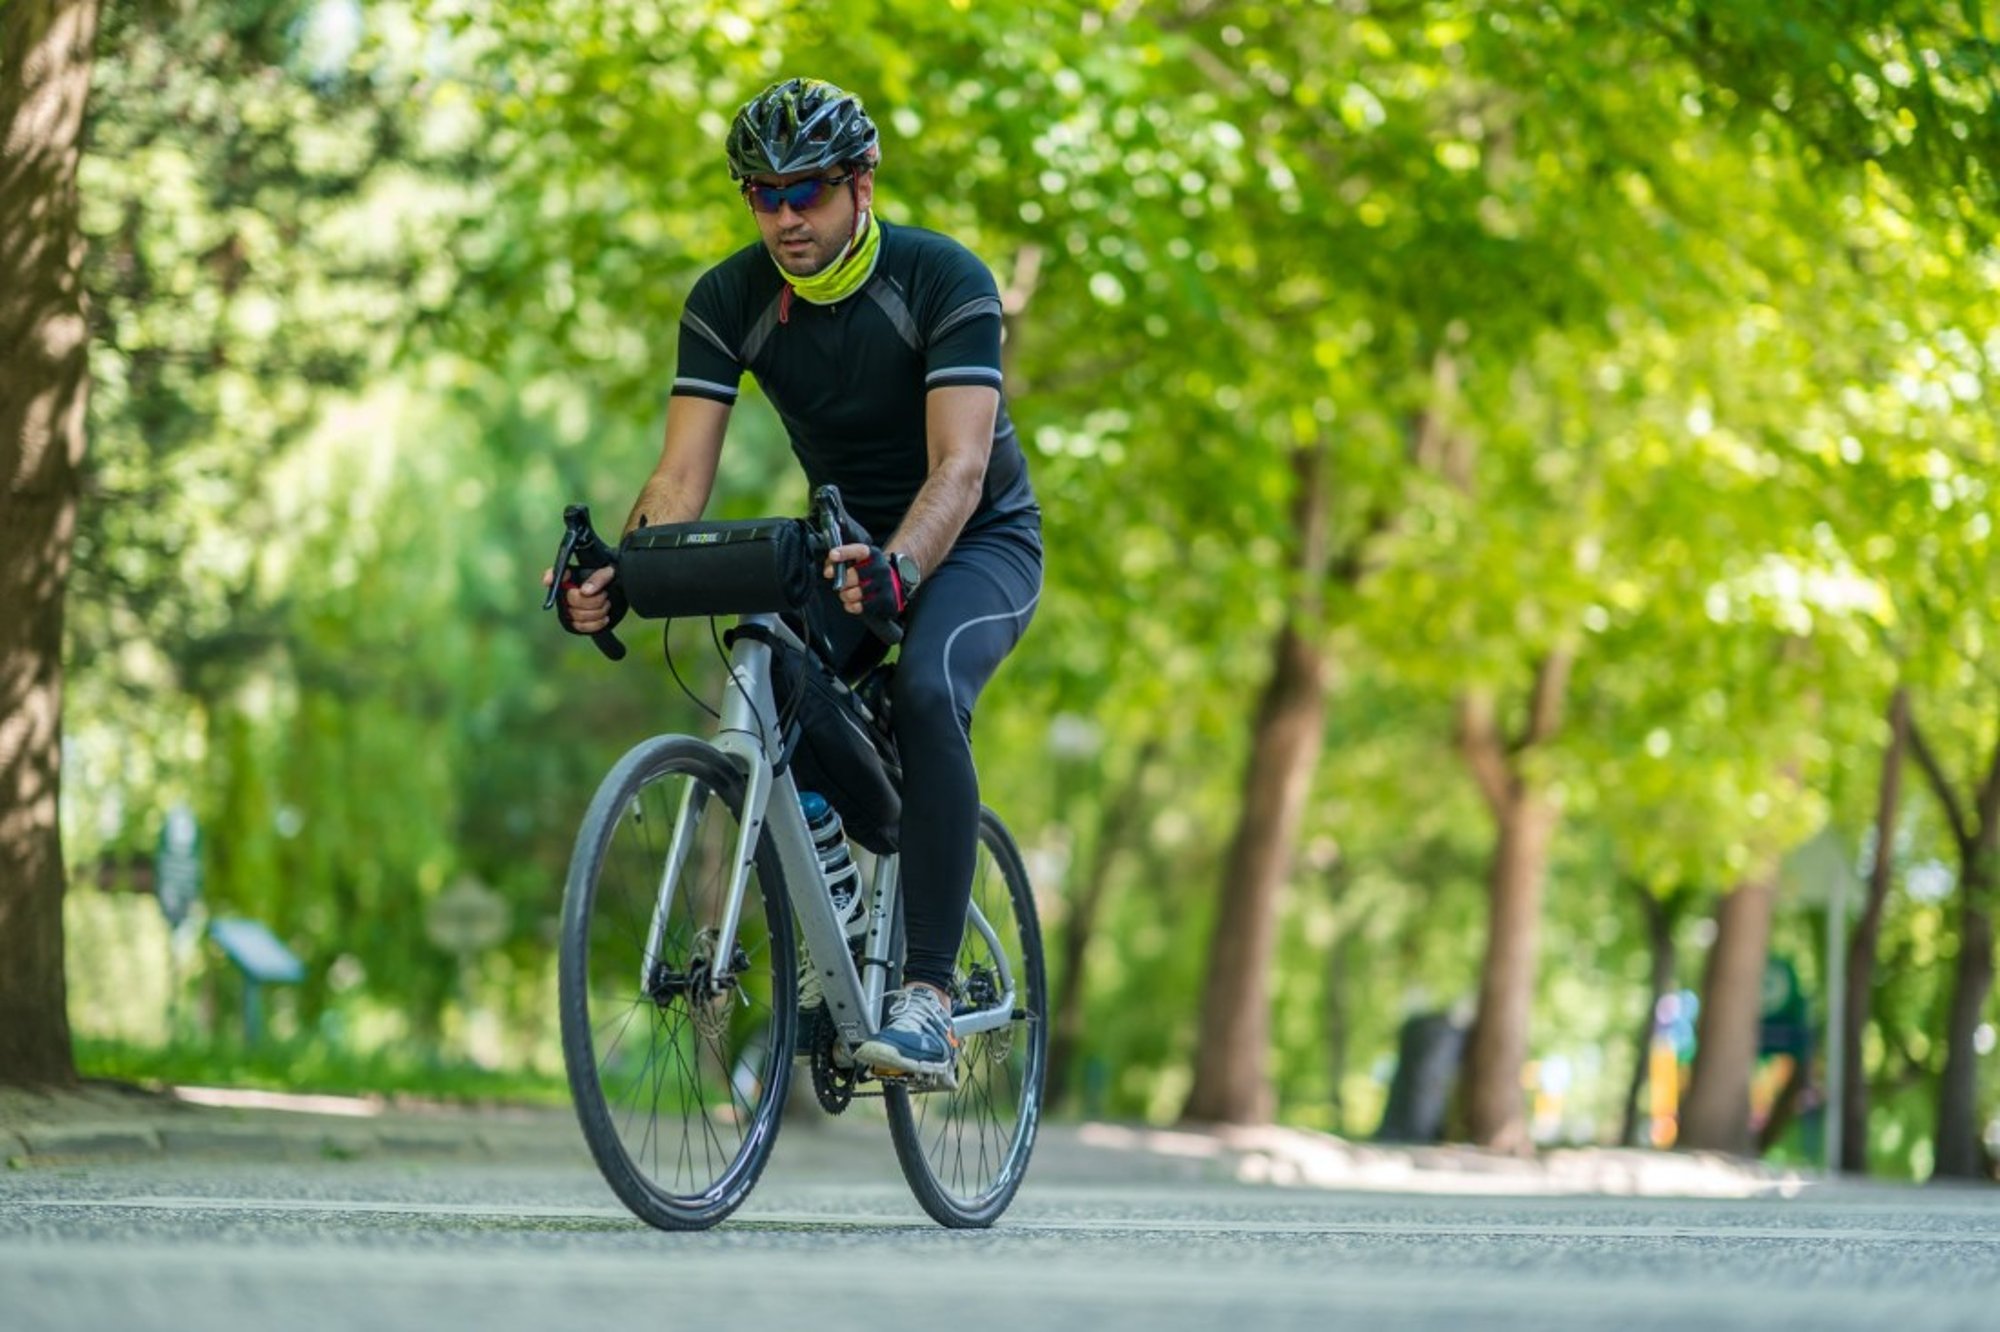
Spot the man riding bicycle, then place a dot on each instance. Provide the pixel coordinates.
(879, 347)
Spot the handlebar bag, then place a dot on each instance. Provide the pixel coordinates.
(738, 567)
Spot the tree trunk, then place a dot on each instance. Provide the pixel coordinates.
(1960, 1152)
(1716, 1115)
(1114, 830)
(45, 54)
(1339, 968)
(1660, 947)
(1862, 945)
(1231, 1085)
(1496, 1048)
(1498, 1044)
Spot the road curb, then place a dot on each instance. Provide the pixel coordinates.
(55, 1143)
(185, 1132)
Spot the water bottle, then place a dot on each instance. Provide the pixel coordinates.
(836, 862)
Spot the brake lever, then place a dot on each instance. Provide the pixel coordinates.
(834, 522)
(561, 566)
(582, 551)
(826, 503)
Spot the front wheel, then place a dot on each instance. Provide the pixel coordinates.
(965, 1152)
(678, 1046)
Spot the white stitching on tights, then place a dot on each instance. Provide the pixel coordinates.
(952, 642)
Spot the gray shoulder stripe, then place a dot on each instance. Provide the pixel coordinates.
(892, 305)
(705, 386)
(760, 332)
(695, 322)
(972, 309)
(985, 373)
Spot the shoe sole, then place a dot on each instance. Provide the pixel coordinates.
(885, 1062)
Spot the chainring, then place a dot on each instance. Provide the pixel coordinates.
(833, 1086)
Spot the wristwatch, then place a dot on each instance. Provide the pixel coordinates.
(908, 572)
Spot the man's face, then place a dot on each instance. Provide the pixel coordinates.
(805, 237)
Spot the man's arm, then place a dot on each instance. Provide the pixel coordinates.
(959, 433)
(675, 493)
(678, 490)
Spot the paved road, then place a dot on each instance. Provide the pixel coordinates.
(831, 1240)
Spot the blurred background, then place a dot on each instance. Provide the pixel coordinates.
(1520, 659)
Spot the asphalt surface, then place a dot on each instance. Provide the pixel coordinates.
(393, 1217)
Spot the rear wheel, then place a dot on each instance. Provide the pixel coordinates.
(678, 1057)
(965, 1152)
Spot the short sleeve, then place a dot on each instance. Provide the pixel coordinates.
(962, 343)
(707, 366)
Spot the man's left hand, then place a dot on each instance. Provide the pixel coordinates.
(872, 587)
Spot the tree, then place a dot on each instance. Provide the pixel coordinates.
(1525, 819)
(1231, 1084)
(45, 63)
(1862, 945)
(1975, 830)
(1662, 912)
(1715, 1114)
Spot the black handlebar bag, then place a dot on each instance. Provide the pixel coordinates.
(740, 567)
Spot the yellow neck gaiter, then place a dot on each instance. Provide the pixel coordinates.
(844, 276)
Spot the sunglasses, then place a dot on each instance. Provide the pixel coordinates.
(801, 195)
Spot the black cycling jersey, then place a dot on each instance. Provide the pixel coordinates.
(849, 379)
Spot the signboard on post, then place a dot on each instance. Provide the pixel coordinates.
(177, 865)
(263, 960)
(1822, 870)
(467, 918)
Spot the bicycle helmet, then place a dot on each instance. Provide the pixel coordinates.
(801, 125)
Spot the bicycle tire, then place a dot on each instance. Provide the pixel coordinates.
(964, 1153)
(645, 1034)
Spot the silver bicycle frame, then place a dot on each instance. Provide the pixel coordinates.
(749, 735)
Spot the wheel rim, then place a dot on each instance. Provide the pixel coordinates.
(684, 1076)
(974, 1140)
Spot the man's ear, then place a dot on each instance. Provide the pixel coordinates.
(864, 189)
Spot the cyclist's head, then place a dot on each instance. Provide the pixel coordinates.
(801, 125)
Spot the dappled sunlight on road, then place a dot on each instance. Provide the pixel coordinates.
(1301, 1158)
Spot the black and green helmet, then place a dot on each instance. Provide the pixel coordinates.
(801, 125)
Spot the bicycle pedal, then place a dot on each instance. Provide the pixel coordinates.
(912, 1082)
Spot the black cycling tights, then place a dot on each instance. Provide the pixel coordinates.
(967, 616)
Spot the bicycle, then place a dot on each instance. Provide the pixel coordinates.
(694, 872)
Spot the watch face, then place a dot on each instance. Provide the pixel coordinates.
(907, 569)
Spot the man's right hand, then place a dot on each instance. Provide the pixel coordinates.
(587, 607)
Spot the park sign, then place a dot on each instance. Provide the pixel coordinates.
(468, 917)
(177, 865)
